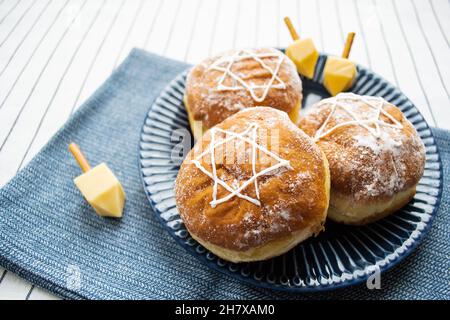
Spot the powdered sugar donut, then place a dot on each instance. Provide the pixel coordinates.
(253, 187)
(222, 85)
(375, 155)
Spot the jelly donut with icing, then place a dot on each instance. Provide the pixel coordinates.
(375, 155)
(253, 187)
(225, 84)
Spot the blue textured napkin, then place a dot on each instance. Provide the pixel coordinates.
(50, 236)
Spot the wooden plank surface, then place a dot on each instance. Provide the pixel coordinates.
(55, 53)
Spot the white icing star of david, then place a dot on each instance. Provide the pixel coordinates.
(247, 136)
(225, 65)
(376, 103)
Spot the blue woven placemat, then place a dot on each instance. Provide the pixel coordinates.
(50, 236)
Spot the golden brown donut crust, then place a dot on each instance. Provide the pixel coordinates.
(211, 106)
(291, 199)
(363, 168)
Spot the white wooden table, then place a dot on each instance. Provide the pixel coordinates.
(55, 53)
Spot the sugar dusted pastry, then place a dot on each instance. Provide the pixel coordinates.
(375, 155)
(253, 187)
(220, 86)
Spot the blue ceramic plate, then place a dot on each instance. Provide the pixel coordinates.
(338, 257)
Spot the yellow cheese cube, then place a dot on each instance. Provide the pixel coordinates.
(304, 54)
(339, 74)
(102, 190)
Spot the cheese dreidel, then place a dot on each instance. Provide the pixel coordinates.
(339, 72)
(99, 186)
(302, 52)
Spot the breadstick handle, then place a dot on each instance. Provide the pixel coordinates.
(291, 28)
(348, 45)
(78, 155)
